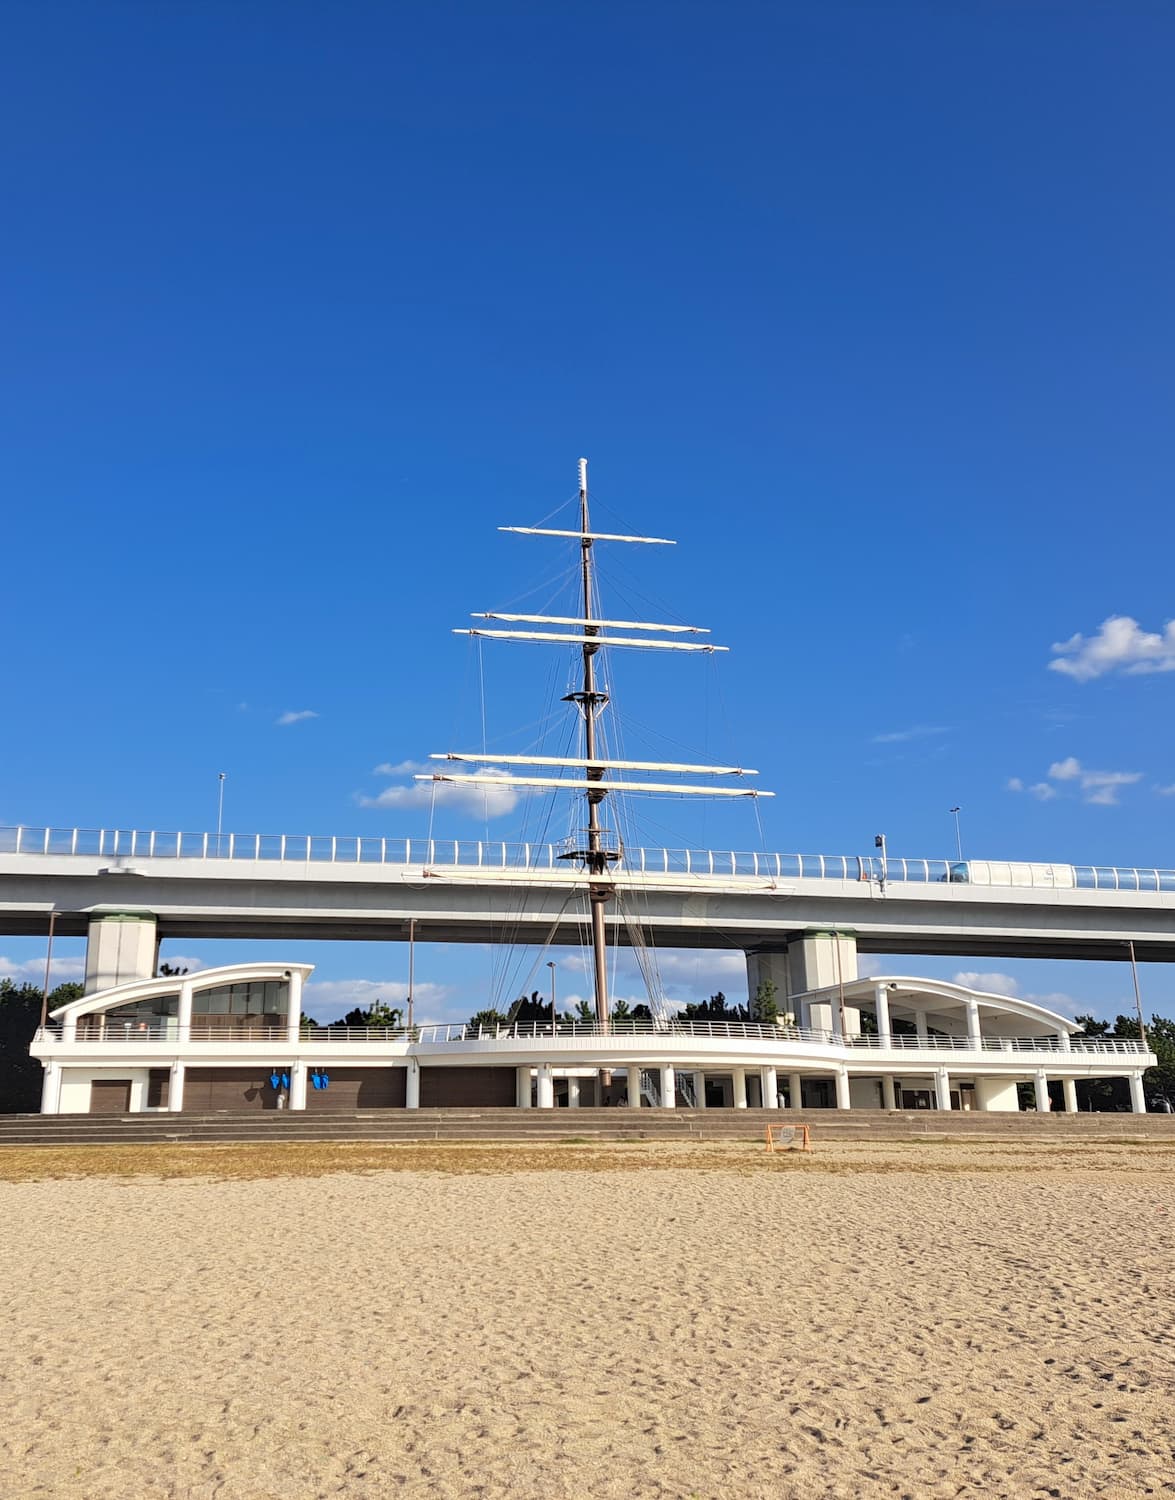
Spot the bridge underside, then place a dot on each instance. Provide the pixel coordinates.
(966, 922)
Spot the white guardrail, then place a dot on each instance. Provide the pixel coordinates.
(303, 849)
(164, 1031)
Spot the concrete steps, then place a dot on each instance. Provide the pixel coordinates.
(589, 1125)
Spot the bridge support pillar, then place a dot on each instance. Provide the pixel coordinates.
(1069, 1085)
(634, 1087)
(821, 960)
(120, 947)
(888, 1092)
(1137, 1097)
(770, 1088)
(795, 1091)
(769, 968)
(412, 1085)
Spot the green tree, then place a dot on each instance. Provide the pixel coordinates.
(377, 1014)
(20, 1015)
(715, 1009)
(764, 1006)
(487, 1020)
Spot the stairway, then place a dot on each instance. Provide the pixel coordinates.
(587, 1125)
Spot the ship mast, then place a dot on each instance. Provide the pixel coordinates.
(597, 849)
(592, 701)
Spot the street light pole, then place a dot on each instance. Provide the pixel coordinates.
(219, 808)
(955, 811)
(551, 966)
(48, 966)
(411, 972)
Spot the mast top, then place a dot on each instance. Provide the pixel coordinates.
(583, 476)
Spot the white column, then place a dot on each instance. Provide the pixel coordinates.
(700, 1090)
(175, 1087)
(634, 1088)
(1070, 1087)
(740, 1088)
(1137, 1097)
(920, 1025)
(545, 1092)
(842, 1089)
(795, 1090)
(69, 1029)
(770, 1088)
(942, 1088)
(974, 1035)
(881, 1006)
(412, 1085)
(51, 1089)
(1065, 1040)
(668, 1087)
(1041, 1084)
(888, 1092)
(120, 946)
(522, 1098)
(294, 1025)
(184, 1013)
(573, 1093)
(298, 1083)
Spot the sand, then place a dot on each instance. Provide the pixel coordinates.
(922, 1320)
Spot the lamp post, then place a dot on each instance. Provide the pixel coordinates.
(220, 776)
(411, 975)
(879, 843)
(48, 967)
(955, 811)
(551, 966)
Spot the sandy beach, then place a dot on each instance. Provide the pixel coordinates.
(917, 1320)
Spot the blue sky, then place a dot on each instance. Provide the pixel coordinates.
(868, 305)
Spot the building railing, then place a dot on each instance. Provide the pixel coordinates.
(115, 1034)
(466, 854)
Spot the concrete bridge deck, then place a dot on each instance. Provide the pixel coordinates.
(287, 889)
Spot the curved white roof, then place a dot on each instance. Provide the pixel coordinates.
(167, 984)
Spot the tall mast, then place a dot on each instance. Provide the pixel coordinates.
(592, 701)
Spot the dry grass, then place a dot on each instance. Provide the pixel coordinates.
(318, 1159)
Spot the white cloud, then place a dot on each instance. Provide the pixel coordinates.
(1004, 984)
(991, 984)
(295, 716)
(693, 972)
(1097, 788)
(328, 999)
(900, 736)
(478, 801)
(32, 970)
(1120, 645)
(1166, 791)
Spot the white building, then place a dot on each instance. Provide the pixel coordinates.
(232, 1039)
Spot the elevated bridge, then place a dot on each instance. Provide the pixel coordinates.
(285, 888)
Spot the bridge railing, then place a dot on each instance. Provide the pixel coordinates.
(122, 1033)
(129, 844)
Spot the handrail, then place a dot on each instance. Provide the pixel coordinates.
(568, 1031)
(129, 845)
